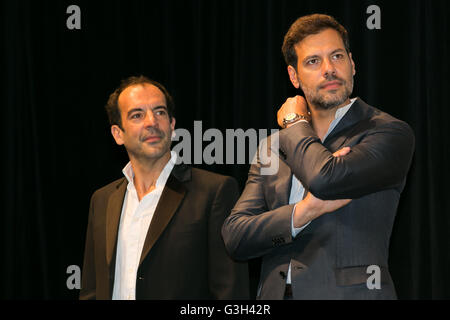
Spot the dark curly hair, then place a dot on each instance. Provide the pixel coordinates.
(112, 106)
(308, 25)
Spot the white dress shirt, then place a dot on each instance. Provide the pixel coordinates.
(134, 223)
(297, 189)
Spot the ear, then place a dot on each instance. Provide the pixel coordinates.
(353, 63)
(293, 76)
(172, 127)
(117, 134)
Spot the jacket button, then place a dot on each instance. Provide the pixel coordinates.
(140, 278)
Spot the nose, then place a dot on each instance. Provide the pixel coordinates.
(329, 70)
(150, 119)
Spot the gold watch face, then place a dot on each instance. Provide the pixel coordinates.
(290, 116)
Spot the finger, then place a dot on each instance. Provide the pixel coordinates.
(290, 105)
(280, 117)
(342, 152)
(299, 98)
(337, 204)
(301, 103)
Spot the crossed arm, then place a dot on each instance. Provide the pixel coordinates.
(379, 161)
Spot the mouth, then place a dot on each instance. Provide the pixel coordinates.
(331, 85)
(152, 139)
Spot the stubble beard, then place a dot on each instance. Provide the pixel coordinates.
(153, 152)
(328, 100)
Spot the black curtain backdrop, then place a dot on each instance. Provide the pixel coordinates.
(222, 62)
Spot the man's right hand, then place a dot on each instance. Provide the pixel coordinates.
(311, 207)
(295, 104)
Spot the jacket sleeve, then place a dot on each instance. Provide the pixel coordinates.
(88, 279)
(228, 279)
(379, 161)
(252, 230)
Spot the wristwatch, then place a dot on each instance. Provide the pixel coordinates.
(292, 117)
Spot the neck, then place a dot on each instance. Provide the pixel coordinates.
(146, 173)
(321, 119)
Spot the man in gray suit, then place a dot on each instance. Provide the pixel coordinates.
(322, 223)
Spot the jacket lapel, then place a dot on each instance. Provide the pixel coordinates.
(171, 197)
(114, 208)
(357, 112)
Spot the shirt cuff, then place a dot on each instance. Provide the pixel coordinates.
(296, 231)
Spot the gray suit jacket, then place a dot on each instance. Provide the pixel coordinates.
(330, 257)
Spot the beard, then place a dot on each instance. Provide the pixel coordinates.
(331, 99)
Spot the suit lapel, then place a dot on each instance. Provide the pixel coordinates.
(357, 112)
(171, 197)
(113, 211)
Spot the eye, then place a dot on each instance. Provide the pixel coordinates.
(338, 56)
(161, 112)
(136, 116)
(312, 61)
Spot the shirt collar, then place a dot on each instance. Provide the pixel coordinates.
(129, 173)
(340, 113)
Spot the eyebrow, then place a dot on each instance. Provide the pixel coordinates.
(134, 110)
(159, 107)
(138, 109)
(338, 50)
(316, 56)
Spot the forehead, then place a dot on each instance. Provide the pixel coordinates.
(323, 42)
(143, 95)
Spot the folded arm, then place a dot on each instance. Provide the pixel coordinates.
(379, 161)
(252, 230)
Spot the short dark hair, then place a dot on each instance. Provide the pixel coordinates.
(112, 106)
(308, 25)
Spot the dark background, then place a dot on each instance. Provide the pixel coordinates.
(222, 62)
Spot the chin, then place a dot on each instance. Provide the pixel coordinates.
(331, 101)
(326, 104)
(156, 153)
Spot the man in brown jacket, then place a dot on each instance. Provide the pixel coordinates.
(155, 233)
